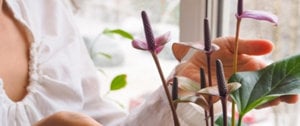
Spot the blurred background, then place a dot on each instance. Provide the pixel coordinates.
(95, 16)
(184, 19)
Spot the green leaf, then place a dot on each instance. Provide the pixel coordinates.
(258, 87)
(120, 32)
(118, 82)
(106, 55)
(219, 121)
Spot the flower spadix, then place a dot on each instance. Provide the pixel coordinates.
(151, 44)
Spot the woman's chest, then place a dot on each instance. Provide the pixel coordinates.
(14, 59)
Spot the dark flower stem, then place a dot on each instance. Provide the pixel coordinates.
(175, 90)
(222, 89)
(206, 8)
(151, 48)
(174, 114)
(211, 107)
(224, 108)
(203, 85)
(207, 48)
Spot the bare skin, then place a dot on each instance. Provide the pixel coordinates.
(14, 65)
(14, 55)
(247, 48)
(68, 119)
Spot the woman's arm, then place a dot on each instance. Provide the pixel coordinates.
(67, 119)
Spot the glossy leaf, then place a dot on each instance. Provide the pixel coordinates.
(118, 82)
(258, 87)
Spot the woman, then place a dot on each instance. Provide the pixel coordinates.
(48, 78)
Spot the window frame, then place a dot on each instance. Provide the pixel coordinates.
(192, 14)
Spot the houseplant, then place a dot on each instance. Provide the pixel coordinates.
(247, 90)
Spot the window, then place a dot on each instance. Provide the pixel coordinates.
(192, 14)
(93, 16)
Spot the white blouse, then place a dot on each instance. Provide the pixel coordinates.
(64, 78)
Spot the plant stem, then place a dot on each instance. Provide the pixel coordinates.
(206, 117)
(240, 120)
(211, 107)
(236, 46)
(208, 51)
(235, 62)
(203, 85)
(174, 114)
(224, 108)
(175, 91)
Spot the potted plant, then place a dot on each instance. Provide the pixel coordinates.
(247, 90)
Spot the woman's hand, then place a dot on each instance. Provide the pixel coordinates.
(67, 119)
(247, 61)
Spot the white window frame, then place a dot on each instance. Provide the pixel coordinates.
(192, 14)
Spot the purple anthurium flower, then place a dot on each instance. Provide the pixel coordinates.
(151, 44)
(254, 14)
(154, 46)
(259, 15)
(190, 91)
(159, 43)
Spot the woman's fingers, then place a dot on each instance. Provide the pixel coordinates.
(246, 46)
(291, 99)
(255, 47)
(270, 103)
